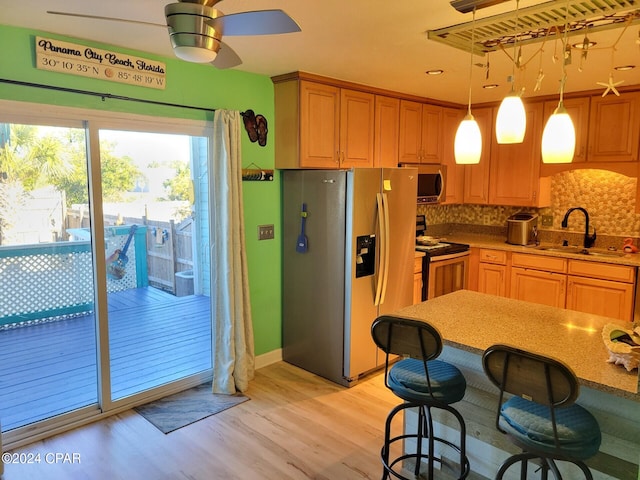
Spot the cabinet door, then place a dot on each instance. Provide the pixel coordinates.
(386, 132)
(431, 138)
(538, 287)
(410, 131)
(578, 109)
(515, 169)
(492, 279)
(357, 111)
(451, 119)
(600, 297)
(319, 125)
(614, 128)
(476, 177)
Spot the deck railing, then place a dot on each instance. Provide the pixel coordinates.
(53, 280)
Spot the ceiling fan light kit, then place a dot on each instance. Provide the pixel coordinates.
(196, 29)
(192, 38)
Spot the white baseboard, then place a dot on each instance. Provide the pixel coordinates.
(268, 358)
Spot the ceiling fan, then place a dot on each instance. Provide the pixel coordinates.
(196, 29)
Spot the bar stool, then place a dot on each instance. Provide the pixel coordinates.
(541, 417)
(424, 384)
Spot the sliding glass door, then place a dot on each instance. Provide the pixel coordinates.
(158, 299)
(47, 322)
(104, 263)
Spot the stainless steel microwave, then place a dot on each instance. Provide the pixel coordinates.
(431, 183)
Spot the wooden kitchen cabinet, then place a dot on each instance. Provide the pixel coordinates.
(538, 279)
(357, 113)
(601, 289)
(319, 125)
(578, 110)
(322, 126)
(492, 272)
(476, 177)
(537, 286)
(600, 297)
(614, 128)
(454, 190)
(605, 289)
(420, 133)
(386, 132)
(514, 177)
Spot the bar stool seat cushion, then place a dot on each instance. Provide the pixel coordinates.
(530, 423)
(408, 381)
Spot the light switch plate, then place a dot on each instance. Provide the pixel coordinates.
(265, 232)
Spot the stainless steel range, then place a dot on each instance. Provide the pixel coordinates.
(445, 266)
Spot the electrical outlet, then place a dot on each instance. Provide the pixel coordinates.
(486, 219)
(547, 220)
(265, 232)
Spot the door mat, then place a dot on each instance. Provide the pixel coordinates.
(184, 408)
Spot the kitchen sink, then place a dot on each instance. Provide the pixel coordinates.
(582, 251)
(573, 250)
(604, 254)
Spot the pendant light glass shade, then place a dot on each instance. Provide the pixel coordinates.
(559, 137)
(467, 146)
(511, 121)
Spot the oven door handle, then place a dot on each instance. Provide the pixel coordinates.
(442, 258)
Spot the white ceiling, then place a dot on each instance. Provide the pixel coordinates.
(364, 41)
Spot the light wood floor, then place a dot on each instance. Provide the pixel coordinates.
(50, 368)
(296, 426)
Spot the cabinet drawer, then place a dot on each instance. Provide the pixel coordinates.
(539, 262)
(493, 256)
(605, 271)
(417, 265)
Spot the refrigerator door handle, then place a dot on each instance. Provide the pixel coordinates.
(382, 249)
(386, 244)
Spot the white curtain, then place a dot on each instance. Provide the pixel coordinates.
(232, 332)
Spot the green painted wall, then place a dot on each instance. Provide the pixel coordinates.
(186, 84)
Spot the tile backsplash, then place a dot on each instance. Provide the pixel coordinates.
(608, 197)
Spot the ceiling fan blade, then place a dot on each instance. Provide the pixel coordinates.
(112, 19)
(226, 58)
(260, 22)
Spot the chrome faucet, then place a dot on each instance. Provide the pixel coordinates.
(589, 240)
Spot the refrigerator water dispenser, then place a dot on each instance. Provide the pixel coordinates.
(365, 255)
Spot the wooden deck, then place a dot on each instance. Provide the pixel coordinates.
(50, 368)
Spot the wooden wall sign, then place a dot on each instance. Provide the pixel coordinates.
(64, 57)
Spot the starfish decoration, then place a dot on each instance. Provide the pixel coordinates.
(610, 86)
(539, 81)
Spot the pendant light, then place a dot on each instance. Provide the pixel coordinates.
(511, 121)
(559, 135)
(467, 146)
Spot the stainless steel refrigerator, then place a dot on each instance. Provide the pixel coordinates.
(348, 256)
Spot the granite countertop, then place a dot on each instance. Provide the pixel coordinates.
(499, 243)
(474, 321)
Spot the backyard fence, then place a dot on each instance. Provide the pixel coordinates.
(169, 249)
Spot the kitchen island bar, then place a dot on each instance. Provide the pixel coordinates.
(469, 322)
